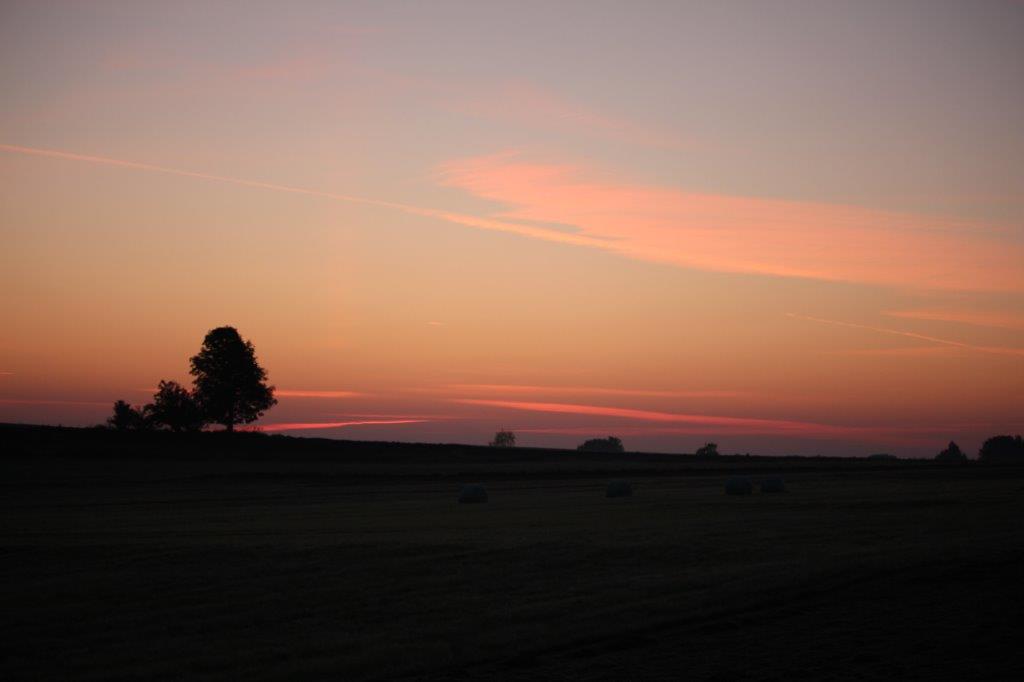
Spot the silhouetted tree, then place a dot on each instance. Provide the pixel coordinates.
(503, 439)
(1002, 450)
(609, 444)
(128, 418)
(175, 408)
(230, 386)
(952, 453)
(708, 450)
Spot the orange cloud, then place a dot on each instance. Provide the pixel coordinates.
(743, 234)
(290, 393)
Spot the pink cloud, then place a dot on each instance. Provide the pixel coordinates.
(669, 423)
(741, 234)
(307, 426)
(746, 425)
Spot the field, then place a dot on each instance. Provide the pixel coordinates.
(295, 566)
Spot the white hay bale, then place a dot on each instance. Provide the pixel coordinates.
(473, 493)
(618, 488)
(773, 484)
(739, 485)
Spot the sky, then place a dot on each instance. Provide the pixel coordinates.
(788, 227)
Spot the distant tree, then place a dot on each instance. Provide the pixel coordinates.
(708, 450)
(230, 386)
(128, 418)
(503, 439)
(952, 453)
(1002, 450)
(175, 408)
(609, 444)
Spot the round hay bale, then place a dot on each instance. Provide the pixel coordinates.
(618, 488)
(773, 484)
(473, 493)
(739, 485)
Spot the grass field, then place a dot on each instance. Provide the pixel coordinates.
(286, 569)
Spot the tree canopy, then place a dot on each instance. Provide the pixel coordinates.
(230, 386)
(1002, 450)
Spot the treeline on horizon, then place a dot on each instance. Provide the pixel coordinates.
(229, 388)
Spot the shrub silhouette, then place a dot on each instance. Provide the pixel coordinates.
(128, 418)
(708, 450)
(175, 408)
(230, 386)
(503, 439)
(609, 444)
(952, 453)
(1002, 450)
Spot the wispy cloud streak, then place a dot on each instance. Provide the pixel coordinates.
(448, 216)
(308, 426)
(592, 390)
(998, 350)
(969, 317)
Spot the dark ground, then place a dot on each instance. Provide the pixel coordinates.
(161, 558)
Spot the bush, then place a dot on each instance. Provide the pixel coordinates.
(1002, 450)
(175, 408)
(128, 418)
(503, 439)
(708, 450)
(609, 444)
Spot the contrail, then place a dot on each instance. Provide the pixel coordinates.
(448, 216)
(922, 337)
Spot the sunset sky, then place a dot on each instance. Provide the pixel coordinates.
(792, 227)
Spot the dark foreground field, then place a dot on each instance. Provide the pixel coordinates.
(292, 568)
